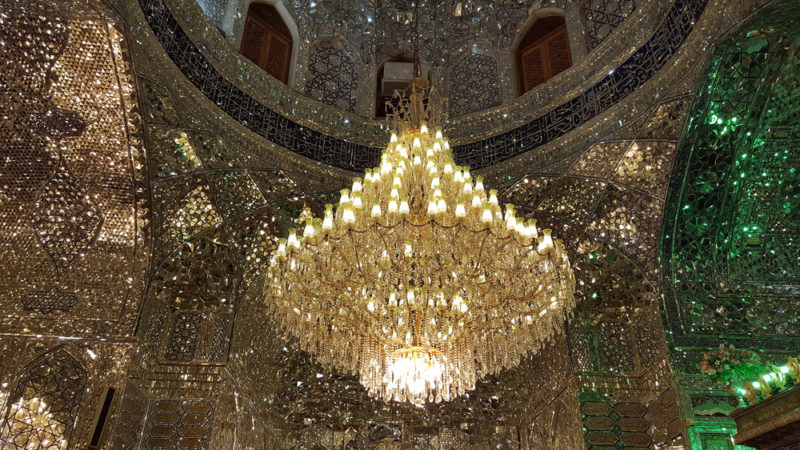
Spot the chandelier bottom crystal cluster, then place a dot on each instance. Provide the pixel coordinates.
(418, 281)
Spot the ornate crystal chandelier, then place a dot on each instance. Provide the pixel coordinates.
(418, 281)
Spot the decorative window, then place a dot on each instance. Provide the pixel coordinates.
(543, 53)
(380, 100)
(267, 41)
(44, 404)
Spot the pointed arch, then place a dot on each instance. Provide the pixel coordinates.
(43, 406)
(268, 41)
(542, 50)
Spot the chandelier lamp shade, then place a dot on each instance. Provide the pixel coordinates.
(418, 281)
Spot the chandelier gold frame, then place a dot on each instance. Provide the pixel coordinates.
(418, 281)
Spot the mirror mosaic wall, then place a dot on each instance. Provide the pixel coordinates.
(148, 170)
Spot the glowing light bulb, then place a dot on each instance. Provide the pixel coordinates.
(476, 200)
(348, 216)
(493, 196)
(356, 200)
(545, 241)
(327, 224)
(461, 211)
(292, 241)
(309, 230)
(486, 217)
(345, 198)
(432, 207)
(404, 208)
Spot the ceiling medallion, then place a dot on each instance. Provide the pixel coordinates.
(417, 281)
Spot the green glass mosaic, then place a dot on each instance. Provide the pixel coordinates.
(731, 238)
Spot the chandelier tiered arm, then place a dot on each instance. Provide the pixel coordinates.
(418, 281)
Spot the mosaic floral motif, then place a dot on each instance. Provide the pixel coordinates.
(179, 424)
(601, 17)
(44, 404)
(48, 300)
(332, 76)
(473, 85)
(731, 232)
(184, 336)
(628, 77)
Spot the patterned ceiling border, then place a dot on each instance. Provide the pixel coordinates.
(617, 85)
